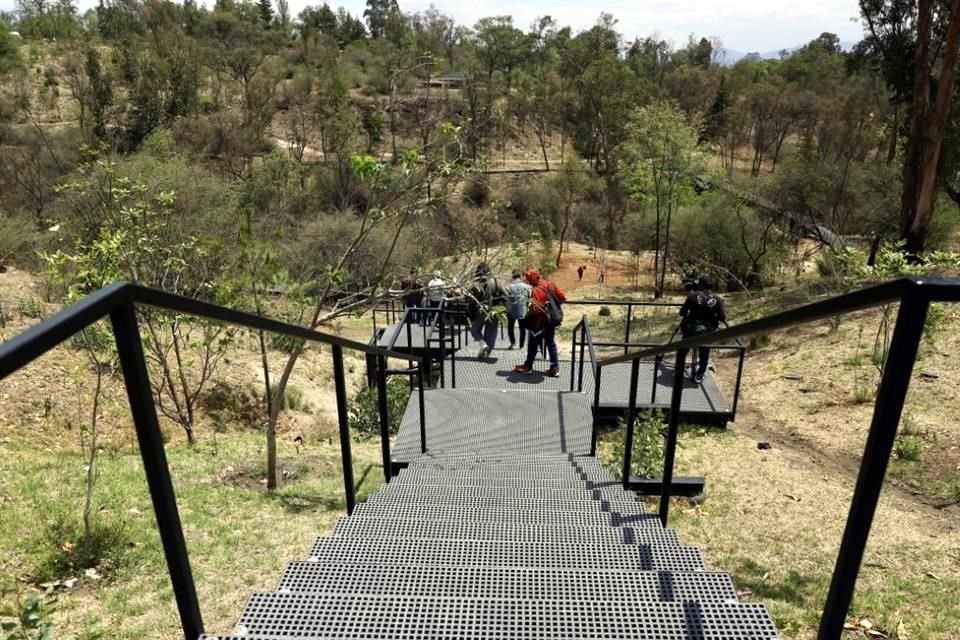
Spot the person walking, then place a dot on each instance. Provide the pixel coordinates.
(702, 312)
(518, 303)
(412, 295)
(545, 315)
(436, 291)
(580, 271)
(485, 295)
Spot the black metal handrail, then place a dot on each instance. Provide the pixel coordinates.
(914, 296)
(118, 301)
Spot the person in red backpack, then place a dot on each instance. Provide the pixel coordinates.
(543, 319)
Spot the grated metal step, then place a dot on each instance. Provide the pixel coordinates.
(479, 553)
(447, 478)
(610, 517)
(334, 616)
(512, 504)
(550, 533)
(507, 583)
(410, 491)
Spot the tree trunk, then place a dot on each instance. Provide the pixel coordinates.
(563, 233)
(927, 128)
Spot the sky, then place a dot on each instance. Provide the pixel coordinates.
(742, 25)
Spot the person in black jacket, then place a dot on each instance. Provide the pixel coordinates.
(702, 312)
(485, 295)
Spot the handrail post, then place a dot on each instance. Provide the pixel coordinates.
(626, 334)
(887, 410)
(673, 425)
(573, 356)
(150, 440)
(443, 347)
(583, 343)
(736, 388)
(631, 421)
(423, 418)
(657, 361)
(384, 411)
(596, 411)
(345, 454)
(406, 322)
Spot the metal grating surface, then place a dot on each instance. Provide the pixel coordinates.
(442, 512)
(507, 583)
(496, 372)
(406, 490)
(508, 505)
(359, 616)
(486, 422)
(482, 553)
(506, 531)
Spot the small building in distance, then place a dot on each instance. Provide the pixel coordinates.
(448, 80)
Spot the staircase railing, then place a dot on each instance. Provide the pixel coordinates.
(914, 297)
(118, 301)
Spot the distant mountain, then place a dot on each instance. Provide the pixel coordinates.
(732, 56)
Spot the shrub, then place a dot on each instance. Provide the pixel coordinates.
(477, 190)
(69, 551)
(293, 398)
(909, 448)
(605, 311)
(647, 444)
(30, 308)
(365, 415)
(28, 619)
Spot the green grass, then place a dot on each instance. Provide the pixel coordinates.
(238, 535)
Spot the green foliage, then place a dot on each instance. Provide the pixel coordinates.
(29, 618)
(604, 311)
(648, 444)
(364, 411)
(293, 398)
(847, 266)
(908, 448)
(30, 307)
(68, 551)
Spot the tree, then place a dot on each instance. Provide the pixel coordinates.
(928, 118)
(378, 14)
(572, 183)
(266, 12)
(662, 161)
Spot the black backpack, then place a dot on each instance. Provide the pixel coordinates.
(552, 308)
(705, 315)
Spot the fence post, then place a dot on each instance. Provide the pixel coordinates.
(673, 426)
(626, 334)
(736, 388)
(423, 418)
(887, 409)
(150, 440)
(406, 322)
(583, 342)
(596, 412)
(573, 362)
(443, 349)
(631, 421)
(384, 411)
(345, 453)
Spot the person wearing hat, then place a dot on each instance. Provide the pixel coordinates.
(702, 312)
(436, 292)
(542, 320)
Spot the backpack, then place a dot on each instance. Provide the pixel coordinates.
(704, 317)
(552, 308)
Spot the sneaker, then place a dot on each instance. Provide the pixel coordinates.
(522, 368)
(698, 378)
(552, 372)
(511, 346)
(483, 353)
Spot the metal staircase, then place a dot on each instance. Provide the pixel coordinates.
(506, 528)
(531, 546)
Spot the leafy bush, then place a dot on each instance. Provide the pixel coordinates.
(648, 444)
(68, 551)
(30, 308)
(605, 311)
(477, 190)
(909, 448)
(17, 240)
(293, 398)
(365, 414)
(28, 619)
